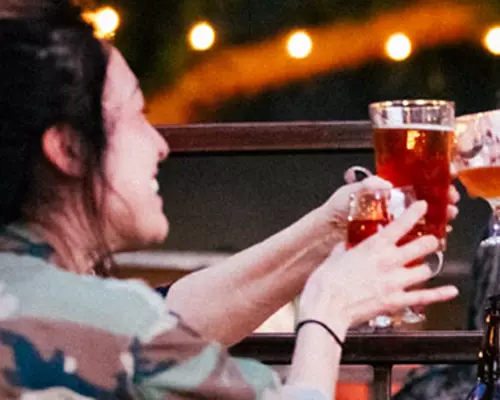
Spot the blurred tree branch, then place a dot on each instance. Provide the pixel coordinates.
(247, 69)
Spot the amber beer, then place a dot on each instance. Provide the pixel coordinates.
(359, 230)
(481, 182)
(418, 155)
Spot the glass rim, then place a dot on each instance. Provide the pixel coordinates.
(402, 189)
(411, 103)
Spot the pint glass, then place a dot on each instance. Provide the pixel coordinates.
(413, 141)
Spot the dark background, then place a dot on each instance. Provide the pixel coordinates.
(152, 36)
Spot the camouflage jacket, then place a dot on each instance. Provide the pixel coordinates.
(67, 336)
(455, 382)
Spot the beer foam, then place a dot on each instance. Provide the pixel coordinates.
(418, 127)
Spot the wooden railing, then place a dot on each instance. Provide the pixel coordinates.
(379, 350)
(336, 135)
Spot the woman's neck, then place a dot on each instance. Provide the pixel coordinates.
(75, 248)
(69, 255)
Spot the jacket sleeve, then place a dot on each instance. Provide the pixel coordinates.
(50, 358)
(178, 363)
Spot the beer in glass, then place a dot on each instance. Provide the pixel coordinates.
(413, 141)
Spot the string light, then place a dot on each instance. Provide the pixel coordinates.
(398, 47)
(492, 40)
(105, 20)
(299, 45)
(202, 36)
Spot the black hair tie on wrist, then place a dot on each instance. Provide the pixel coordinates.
(324, 326)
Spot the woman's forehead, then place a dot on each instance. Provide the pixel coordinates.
(121, 83)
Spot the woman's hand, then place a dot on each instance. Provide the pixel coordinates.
(453, 198)
(336, 209)
(352, 286)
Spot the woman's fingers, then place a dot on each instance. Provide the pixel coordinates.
(422, 297)
(451, 212)
(375, 182)
(453, 195)
(399, 299)
(352, 174)
(402, 278)
(402, 225)
(453, 198)
(415, 250)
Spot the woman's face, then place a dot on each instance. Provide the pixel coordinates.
(134, 209)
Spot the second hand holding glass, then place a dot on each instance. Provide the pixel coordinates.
(372, 210)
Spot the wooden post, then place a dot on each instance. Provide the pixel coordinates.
(382, 382)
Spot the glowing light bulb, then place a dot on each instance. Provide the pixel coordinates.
(202, 36)
(492, 40)
(106, 21)
(299, 45)
(398, 47)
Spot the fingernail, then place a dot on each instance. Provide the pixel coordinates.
(421, 204)
(451, 290)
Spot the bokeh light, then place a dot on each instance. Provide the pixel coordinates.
(106, 21)
(202, 36)
(299, 45)
(492, 40)
(398, 47)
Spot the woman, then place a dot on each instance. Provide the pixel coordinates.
(78, 168)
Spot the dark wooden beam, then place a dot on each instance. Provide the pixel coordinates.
(336, 135)
(440, 347)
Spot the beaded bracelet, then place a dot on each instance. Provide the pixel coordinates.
(322, 324)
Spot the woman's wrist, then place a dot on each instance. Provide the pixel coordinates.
(316, 359)
(326, 229)
(336, 223)
(330, 331)
(336, 318)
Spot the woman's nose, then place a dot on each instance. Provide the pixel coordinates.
(165, 149)
(161, 144)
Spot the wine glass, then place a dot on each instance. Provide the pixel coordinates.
(371, 210)
(476, 162)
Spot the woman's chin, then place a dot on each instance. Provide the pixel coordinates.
(148, 232)
(158, 230)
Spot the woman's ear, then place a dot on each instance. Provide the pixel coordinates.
(63, 148)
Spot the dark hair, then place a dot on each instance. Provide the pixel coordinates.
(52, 72)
